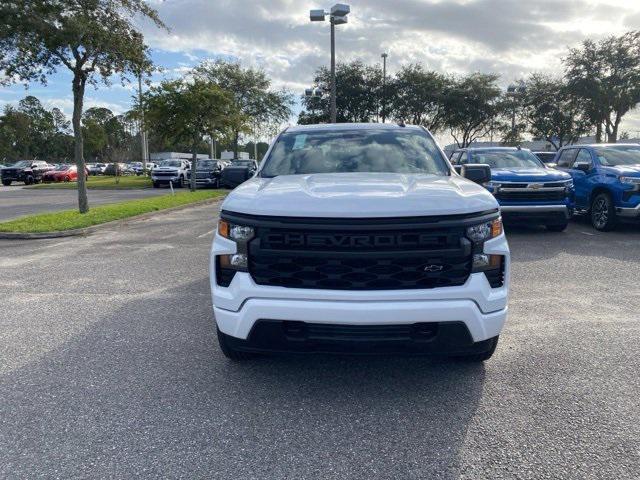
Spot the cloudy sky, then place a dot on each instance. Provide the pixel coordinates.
(510, 37)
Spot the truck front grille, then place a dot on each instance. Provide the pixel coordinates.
(532, 195)
(353, 254)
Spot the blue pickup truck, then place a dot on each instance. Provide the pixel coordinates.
(607, 181)
(527, 191)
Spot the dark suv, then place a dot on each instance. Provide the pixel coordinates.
(27, 171)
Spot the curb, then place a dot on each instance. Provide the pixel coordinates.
(86, 231)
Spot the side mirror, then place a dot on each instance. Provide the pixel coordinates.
(476, 172)
(582, 166)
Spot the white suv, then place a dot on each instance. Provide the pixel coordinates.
(360, 238)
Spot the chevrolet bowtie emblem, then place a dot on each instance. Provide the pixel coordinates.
(433, 268)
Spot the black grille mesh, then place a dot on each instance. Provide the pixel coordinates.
(441, 261)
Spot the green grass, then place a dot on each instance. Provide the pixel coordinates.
(71, 219)
(103, 183)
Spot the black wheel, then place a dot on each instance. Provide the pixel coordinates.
(67, 178)
(603, 213)
(558, 227)
(156, 185)
(28, 181)
(484, 356)
(6, 183)
(230, 352)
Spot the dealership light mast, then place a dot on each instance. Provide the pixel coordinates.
(337, 16)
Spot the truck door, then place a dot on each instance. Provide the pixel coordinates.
(582, 172)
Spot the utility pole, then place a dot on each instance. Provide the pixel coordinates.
(384, 85)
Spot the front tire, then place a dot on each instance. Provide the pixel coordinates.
(484, 356)
(230, 352)
(156, 185)
(6, 183)
(603, 213)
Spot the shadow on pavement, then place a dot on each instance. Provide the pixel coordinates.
(142, 391)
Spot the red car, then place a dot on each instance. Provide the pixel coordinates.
(62, 173)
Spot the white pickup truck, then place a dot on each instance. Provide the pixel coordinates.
(360, 238)
(173, 171)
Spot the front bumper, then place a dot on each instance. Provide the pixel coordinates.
(242, 305)
(164, 179)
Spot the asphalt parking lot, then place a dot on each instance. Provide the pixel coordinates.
(16, 201)
(109, 368)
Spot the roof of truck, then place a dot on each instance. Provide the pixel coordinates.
(350, 126)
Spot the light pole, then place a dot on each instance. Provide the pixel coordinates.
(384, 84)
(143, 134)
(337, 16)
(514, 91)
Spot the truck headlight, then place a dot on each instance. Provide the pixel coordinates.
(237, 233)
(630, 180)
(485, 231)
(239, 261)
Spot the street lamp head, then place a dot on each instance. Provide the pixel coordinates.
(317, 15)
(384, 55)
(340, 10)
(338, 20)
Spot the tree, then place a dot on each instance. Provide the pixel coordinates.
(185, 111)
(552, 112)
(418, 96)
(472, 107)
(94, 39)
(606, 74)
(255, 105)
(358, 94)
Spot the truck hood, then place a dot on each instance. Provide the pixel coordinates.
(359, 195)
(628, 170)
(528, 175)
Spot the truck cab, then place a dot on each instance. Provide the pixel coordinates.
(606, 179)
(528, 192)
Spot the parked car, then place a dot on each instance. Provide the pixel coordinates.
(208, 173)
(172, 171)
(607, 180)
(360, 238)
(27, 171)
(237, 172)
(96, 168)
(547, 158)
(138, 167)
(117, 169)
(527, 191)
(63, 173)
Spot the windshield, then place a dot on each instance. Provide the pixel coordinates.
(22, 164)
(507, 159)
(61, 168)
(620, 155)
(206, 164)
(241, 163)
(361, 150)
(170, 163)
